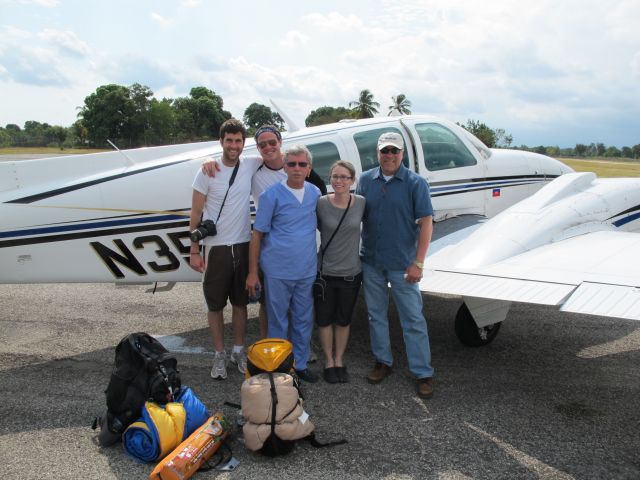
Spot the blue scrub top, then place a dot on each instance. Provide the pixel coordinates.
(389, 229)
(288, 248)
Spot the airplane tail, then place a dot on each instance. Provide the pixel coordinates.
(292, 125)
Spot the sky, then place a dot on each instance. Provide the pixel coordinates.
(548, 72)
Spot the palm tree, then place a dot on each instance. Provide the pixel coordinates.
(401, 105)
(364, 107)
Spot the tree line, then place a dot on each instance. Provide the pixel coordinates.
(132, 117)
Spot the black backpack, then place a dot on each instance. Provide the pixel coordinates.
(144, 370)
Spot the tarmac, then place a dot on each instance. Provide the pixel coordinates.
(555, 395)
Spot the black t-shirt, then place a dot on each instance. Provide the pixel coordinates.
(316, 180)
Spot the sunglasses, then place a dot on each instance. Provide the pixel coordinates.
(271, 142)
(342, 178)
(300, 164)
(393, 150)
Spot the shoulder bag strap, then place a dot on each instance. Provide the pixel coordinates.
(231, 180)
(334, 233)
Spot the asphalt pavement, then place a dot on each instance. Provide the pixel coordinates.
(554, 396)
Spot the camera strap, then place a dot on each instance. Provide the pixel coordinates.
(231, 180)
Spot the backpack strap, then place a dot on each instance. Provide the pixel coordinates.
(274, 403)
(317, 444)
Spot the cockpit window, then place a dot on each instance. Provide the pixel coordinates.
(442, 148)
(367, 143)
(324, 155)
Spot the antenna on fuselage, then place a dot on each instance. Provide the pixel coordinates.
(130, 162)
(292, 126)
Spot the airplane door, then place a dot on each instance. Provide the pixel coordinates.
(452, 166)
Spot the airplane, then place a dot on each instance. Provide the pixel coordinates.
(510, 226)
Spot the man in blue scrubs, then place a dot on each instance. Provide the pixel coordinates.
(396, 232)
(284, 244)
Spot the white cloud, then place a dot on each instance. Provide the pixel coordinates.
(335, 21)
(160, 20)
(66, 41)
(635, 66)
(42, 3)
(190, 3)
(294, 38)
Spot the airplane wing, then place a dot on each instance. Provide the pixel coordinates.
(596, 273)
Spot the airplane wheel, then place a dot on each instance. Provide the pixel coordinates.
(468, 332)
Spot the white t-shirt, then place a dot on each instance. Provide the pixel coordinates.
(234, 225)
(263, 179)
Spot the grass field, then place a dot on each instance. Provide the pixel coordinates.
(604, 168)
(47, 150)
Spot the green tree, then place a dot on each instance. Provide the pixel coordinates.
(60, 135)
(627, 152)
(613, 152)
(580, 149)
(141, 97)
(636, 151)
(162, 122)
(365, 106)
(107, 115)
(502, 138)
(5, 138)
(324, 115)
(200, 115)
(401, 104)
(257, 115)
(482, 131)
(600, 149)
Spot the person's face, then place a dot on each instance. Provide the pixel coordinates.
(341, 179)
(297, 168)
(269, 148)
(389, 161)
(232, 145)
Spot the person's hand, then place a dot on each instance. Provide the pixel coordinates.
(196, 261)
(252, 283)
(210, 167)
(413, 273)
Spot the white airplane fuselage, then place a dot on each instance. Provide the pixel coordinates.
(109, 218)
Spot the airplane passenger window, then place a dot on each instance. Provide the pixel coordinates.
(367, 143)
(324, 155)
(442, 148)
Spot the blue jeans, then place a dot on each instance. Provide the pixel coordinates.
(294, 296)
(408, 300)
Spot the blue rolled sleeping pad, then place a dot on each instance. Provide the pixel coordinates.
(163, 427)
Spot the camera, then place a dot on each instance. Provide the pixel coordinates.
(205, 229)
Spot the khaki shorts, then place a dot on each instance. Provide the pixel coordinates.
(226, 276)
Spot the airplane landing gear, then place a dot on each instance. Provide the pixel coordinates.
(469, 333)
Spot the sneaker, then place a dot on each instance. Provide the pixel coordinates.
(240, 360)
(307, 375)
(425, 387)
(313, 358)
(341, 373)
(380, 372)
(219, 369)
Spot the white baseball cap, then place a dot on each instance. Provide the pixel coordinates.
(390, 139)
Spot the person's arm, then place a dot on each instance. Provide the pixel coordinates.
(210, 167)
(254, 258)
(196, 260)
(414, 271)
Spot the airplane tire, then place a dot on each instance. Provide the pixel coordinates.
(468, 332)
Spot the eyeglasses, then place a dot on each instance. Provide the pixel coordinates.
(342, 178)
(393, 150)
(271, 142)
(300, 164)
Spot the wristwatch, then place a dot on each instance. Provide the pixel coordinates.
(419, 264)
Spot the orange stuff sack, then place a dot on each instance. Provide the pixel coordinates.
(187, 458)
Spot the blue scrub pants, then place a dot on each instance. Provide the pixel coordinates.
(283, 296)
(408, 300)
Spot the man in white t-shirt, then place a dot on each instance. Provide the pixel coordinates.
(269, 142)
(224, 201)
